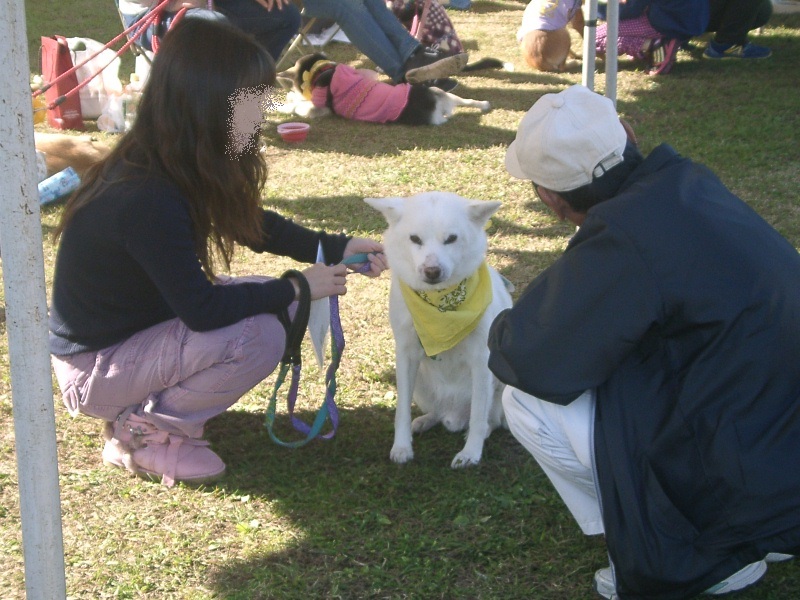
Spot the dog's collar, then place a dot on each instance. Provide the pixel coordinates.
(310, 76)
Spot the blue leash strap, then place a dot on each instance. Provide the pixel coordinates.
(295, 331)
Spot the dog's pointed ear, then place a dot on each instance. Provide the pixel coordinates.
(286, 78)
(392, 208)
(481, 210)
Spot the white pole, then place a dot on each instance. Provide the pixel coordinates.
(590, 42)
(26, 318)
(589, 39)
(612, 24)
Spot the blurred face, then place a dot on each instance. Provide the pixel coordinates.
(246, 113)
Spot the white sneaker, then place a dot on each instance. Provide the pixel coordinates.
(739, 580)
(606, 586)
(774, 557)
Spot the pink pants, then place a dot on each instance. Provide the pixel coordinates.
(179, 378)
(633, 33)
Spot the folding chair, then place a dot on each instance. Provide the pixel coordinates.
(302, 38)
(139, 53)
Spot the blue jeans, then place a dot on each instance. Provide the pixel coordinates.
(372, 28)
(272, 29)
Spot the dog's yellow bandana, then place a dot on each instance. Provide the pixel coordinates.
(443, 318)
(309, 76)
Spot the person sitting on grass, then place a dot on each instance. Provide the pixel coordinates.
(731, 21)
(652, 370)
(144, 333)
(369, 25)
(653, 31)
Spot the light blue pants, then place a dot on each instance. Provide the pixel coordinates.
(372, 28)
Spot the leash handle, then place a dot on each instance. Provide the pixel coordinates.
(295, 331)
(292, 359)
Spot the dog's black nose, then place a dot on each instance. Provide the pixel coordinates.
(432, 273)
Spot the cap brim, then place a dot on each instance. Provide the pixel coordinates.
(512, 162)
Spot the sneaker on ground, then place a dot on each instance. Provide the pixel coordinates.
(135, 444)
(428, 63)
(743, 578)
(663, 56)
(748, 50)
(606, 585)
(775, 557)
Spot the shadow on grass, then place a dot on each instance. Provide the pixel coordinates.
(368, 528)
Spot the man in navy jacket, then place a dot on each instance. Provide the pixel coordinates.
(654, 368)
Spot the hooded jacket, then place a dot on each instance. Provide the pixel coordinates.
(681, 307)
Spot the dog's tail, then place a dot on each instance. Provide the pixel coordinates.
(488, 63)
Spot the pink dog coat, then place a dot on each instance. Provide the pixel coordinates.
(361, 99)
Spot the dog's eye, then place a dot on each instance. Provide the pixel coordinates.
(415, 240)
(451, 238)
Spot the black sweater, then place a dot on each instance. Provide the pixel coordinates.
(127, 262)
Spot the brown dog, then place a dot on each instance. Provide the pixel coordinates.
(548, 49)
(63, 150)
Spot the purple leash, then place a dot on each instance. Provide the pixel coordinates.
(292, 357)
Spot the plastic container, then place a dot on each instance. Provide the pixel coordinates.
(59, 185)
(293, 132)
(130, 100)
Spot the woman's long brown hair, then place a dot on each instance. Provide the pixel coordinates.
(182, 131)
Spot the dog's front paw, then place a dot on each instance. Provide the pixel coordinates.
(485, 107)
(465, 459)
(401, 454)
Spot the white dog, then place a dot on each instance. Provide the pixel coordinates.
(443, 299)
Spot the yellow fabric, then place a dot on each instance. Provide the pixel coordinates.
(308, 77)
(443, 318)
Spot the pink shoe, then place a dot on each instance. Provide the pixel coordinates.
(137, 445)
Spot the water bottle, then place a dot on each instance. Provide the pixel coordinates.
(59, 185)
(130, 100)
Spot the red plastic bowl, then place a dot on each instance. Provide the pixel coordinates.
(293, 132)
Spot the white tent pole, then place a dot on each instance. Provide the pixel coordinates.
(26, 318)
(612, 24)
(589, 39)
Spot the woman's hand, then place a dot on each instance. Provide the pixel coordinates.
(325, 280)
(374, 251)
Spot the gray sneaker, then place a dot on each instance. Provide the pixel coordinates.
(606, 585)
(743, 578)
(429, 63)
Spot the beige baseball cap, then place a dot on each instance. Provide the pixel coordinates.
(567, 138)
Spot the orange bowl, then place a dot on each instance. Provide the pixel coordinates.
(293, 132)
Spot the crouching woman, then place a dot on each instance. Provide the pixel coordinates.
(143, 332)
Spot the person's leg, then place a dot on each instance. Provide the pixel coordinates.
(273, 29)
(372, 28)
(145, 39)
(559, 438)
(731, 20)
(159, 387)
(635, 38)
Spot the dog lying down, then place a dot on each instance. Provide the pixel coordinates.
(443, 298)
(319, 86)
(63, 150)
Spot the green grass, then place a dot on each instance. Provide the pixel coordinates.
(337, 519)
